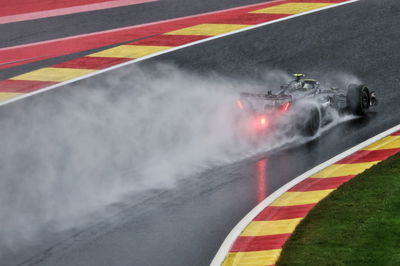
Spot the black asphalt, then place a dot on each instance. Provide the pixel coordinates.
(186, 225)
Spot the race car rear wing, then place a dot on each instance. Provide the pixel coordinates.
(267, 96)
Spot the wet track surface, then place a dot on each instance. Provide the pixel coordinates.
(185, 225)
(47, 29)
(69, 25)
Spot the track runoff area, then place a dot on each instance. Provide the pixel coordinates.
(151, 40)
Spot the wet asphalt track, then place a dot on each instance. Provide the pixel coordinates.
(38, 30)
(80, 23)
(185, 226)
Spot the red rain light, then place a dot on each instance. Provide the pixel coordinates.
(285, 107)
(263, 121)
(239, 103)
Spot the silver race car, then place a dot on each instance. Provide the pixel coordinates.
(307, 101)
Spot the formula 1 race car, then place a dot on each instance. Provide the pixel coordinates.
(307, 102)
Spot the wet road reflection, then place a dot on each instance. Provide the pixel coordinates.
(262, 179)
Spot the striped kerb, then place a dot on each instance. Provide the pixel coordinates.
(53, 74)
(208, 29)
(8, 95)
(130, 51)
(292, 8)
(262, 240)
(157, 38)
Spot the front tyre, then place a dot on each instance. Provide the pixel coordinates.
(358, 99)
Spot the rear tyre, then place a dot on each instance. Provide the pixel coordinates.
(358, 99)
(313, 122)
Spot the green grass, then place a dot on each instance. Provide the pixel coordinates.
(358, 224)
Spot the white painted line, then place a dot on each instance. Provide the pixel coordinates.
(168, 51)
(238, 229)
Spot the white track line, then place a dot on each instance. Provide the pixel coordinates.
(168, 51)
(238, 229)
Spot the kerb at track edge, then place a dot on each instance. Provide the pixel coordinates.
(235, 232)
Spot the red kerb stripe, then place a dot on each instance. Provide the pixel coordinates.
(93, 62)
(312, 184)
(258, 243)
(246, 18)
(273, 213)
(396, 133)
(363, 156)
(169, 40)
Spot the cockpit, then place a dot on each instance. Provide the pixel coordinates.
(300, 85)
(308, 85)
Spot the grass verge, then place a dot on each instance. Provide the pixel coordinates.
(358, 224)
